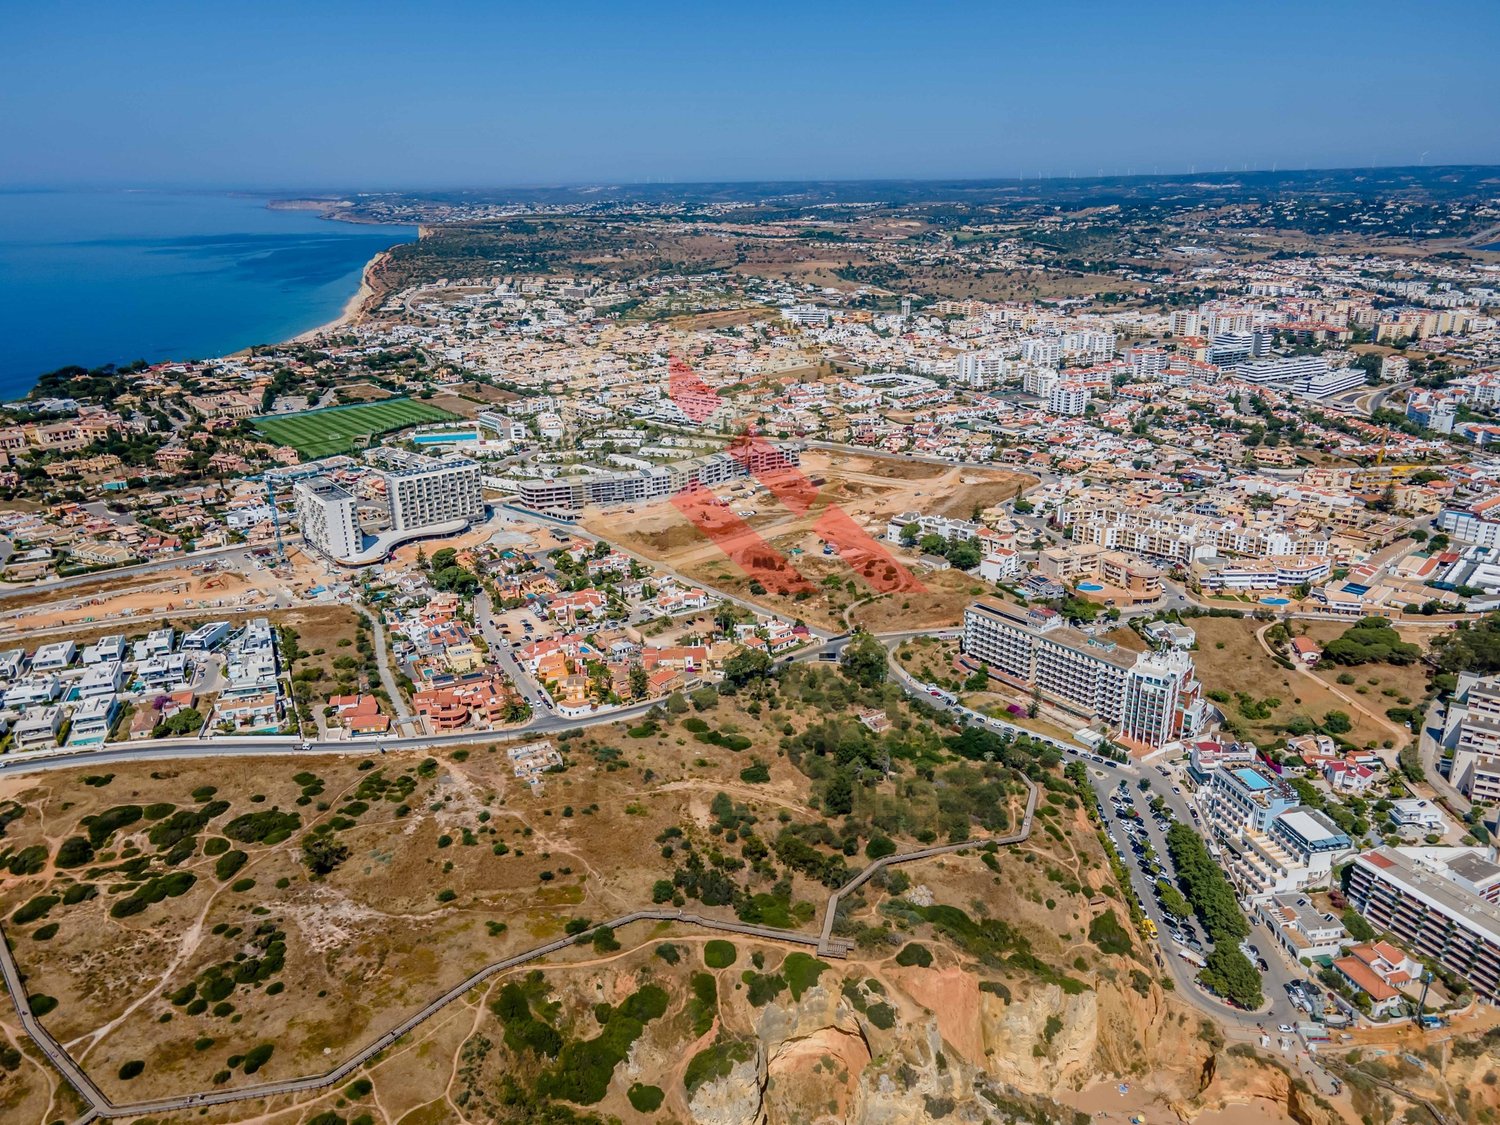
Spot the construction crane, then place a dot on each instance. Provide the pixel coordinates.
(275, 521)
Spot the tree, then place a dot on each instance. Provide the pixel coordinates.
(321, 854)
(1230, 974)
(1358, 928)
(1337, 722)
(746, 665)
(640, 682)
(963, 554)
(910, 532)
(864, 661)
(838, 795)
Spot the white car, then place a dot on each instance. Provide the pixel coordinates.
(1286, 1029)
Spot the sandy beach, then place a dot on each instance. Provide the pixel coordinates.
(353, 307)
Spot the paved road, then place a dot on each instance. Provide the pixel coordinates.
(382, 658)
(1429, 750)
(1103, 778)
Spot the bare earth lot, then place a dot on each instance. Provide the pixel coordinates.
(872, 491)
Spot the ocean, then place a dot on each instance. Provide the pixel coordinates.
(90, 278)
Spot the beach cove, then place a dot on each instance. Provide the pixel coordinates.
(99, 277)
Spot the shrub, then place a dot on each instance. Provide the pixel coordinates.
(715, 1062)
(74, 852)
(1106, 932)
(719, 954)
(229, 863)
(882, 1015)
(802, 971)
(645, 1099)
(34, 908)
(257, 1057)
(131, 1069)
(669, 953)
(914, 953)
(29, 861)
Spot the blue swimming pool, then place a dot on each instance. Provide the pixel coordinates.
(447, 437)
(1271, 600)
(1090, 587)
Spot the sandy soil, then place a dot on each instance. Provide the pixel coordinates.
(870, 490)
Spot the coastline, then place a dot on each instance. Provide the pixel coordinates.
(355, 307)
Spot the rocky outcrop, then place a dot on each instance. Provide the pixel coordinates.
(1247, 1080)
(735, 1099)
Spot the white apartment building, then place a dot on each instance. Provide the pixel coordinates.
(1149, 698)
(35, 689)
(1068, 398)
(104, 649)
(1472, 732)
(250, 667)
(979, 369)
(1186, 322)
(1090, 345)
(326, 514)
(573, 493)
(91, 720)
(101, 680)
(436, 493)
(54, 657)
(1040, 381)
(38, 727)
(1044, 350)
(1147, 363)
(806, 315)
(1440, 902)
(1287, 369)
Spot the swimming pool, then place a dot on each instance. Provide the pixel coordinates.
(447, 437)
(1270, 600)
(1090, 587)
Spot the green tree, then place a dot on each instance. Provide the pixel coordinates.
(863, 660)
(746, 666)
(1230, 974)
(1337, 722)
(640, 682)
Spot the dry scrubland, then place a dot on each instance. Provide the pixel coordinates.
(871, 490)
(169, 928)
(1231, 659)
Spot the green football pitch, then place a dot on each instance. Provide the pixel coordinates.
(338, 429)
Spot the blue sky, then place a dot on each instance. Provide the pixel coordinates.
(385, 95)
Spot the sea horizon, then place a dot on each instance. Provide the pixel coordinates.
(90, 277)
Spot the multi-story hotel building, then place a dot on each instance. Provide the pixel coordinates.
(1441, 902)
(435, 493)
(1149, 698)
(1268, 843)
(326, 514)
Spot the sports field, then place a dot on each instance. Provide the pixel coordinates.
(322, 433)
